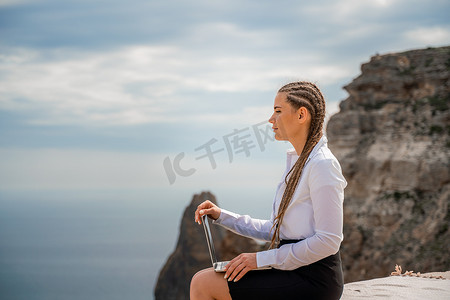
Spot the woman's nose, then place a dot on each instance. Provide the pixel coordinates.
(271, 119)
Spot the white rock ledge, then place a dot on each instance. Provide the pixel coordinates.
(400, 287)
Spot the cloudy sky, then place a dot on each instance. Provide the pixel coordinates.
(101, 94)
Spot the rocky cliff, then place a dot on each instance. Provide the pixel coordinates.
(392, 137)
(191, 252)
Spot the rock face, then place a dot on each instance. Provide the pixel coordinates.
(392, 137)
(191, 253)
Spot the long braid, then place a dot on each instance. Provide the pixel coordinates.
(308, 95)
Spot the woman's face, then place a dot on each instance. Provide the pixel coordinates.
(284, 119)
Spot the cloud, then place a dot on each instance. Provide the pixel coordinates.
(151, 63)
(93, 88)
(144, 84)
(167, 76)
(347, 11)
(436, 35)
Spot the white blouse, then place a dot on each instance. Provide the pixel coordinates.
(315, 214)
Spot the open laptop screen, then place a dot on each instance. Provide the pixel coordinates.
(209, 240)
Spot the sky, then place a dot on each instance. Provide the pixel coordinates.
(102, 94)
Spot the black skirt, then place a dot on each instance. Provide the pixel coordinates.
(322, 280)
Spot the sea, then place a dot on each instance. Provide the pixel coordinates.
(90, 244)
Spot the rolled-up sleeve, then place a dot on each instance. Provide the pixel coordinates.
(326, 185)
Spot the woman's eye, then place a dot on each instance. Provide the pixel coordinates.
(278, 111)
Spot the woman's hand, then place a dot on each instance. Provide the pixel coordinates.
(240, 265)
(206, 208)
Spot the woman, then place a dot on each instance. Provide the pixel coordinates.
(305, 229)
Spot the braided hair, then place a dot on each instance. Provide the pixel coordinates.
(300, 94)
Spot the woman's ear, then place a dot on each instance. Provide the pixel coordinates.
(302, 114)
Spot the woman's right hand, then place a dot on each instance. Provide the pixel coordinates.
(207, 208)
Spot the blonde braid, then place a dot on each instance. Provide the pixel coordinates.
(308, 95)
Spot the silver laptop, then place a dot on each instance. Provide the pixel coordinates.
(218, 266)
